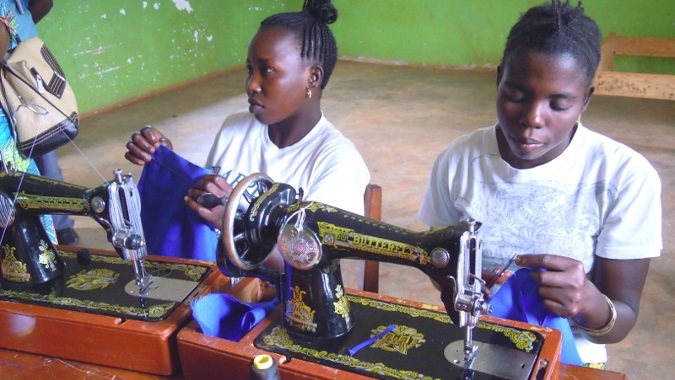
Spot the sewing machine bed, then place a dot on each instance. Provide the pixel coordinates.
(414, 349)
(106, 326)
(202, 356)
(97, 285)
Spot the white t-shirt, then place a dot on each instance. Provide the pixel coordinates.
(599, 197)
(324, 163)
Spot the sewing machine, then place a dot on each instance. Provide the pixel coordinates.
(29, 259)
(262, 216)
(120, 310)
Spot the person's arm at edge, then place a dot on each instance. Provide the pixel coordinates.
(39, 9)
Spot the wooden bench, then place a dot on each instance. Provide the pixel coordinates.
(638, 85)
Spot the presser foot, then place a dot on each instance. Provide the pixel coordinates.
(491, 359)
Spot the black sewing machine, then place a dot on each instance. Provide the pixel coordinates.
(262, 216)
(52, 297)
(28, 257)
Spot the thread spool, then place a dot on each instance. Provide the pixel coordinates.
(264, 367)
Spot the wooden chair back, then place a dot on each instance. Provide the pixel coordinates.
(373, 210)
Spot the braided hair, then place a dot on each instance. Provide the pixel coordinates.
(554, 29)
(315, 37)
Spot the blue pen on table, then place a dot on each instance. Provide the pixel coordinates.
(371, 340)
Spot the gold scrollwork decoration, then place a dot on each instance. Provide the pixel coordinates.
(193, 272)
(154, 311)
(523, 340)
(413, 312)
(279, 337)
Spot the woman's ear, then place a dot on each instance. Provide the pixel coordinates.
(587, 99)
(315, 77)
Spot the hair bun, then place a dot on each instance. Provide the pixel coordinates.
(323, 10)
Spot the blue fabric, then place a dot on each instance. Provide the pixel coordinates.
(223, 316)
(170, 227)
(25, 27)
(518, 300)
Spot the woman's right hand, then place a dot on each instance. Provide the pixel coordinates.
(211, 184)
(144, 143)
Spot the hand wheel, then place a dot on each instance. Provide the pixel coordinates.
(238, 248)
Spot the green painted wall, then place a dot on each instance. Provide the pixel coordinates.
(117, 50)
(472, 33)
(114, 50)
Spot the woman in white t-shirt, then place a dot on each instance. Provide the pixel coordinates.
(284, 133)
(579, 209)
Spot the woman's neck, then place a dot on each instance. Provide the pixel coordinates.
(293, 129)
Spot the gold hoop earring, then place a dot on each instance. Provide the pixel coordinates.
(309, 93)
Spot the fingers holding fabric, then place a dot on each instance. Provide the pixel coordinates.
(143, 144)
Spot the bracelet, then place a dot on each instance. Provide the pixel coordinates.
(608, 327)
(218, 233)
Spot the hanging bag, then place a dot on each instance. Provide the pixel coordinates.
(37, 98)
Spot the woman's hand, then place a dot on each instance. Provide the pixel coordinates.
(213, 184)
(144, 143)
(567, 292)
(563, 285)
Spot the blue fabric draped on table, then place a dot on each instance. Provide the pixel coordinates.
(224, 316)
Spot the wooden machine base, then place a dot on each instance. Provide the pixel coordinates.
(139, 345)
(202, 356)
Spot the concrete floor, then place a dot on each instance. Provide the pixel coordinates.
(400, 118)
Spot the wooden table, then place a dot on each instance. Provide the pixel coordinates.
(203, 356)
(23, 365)
(34, 334)
(16, 365)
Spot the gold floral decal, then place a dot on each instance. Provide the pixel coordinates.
(298, 314)
(13, 269)
(342, 305)
(92, 279)
(47, 257)
(401, 340)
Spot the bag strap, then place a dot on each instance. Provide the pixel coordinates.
(4, 66)
(11, 120)
(8, 109)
